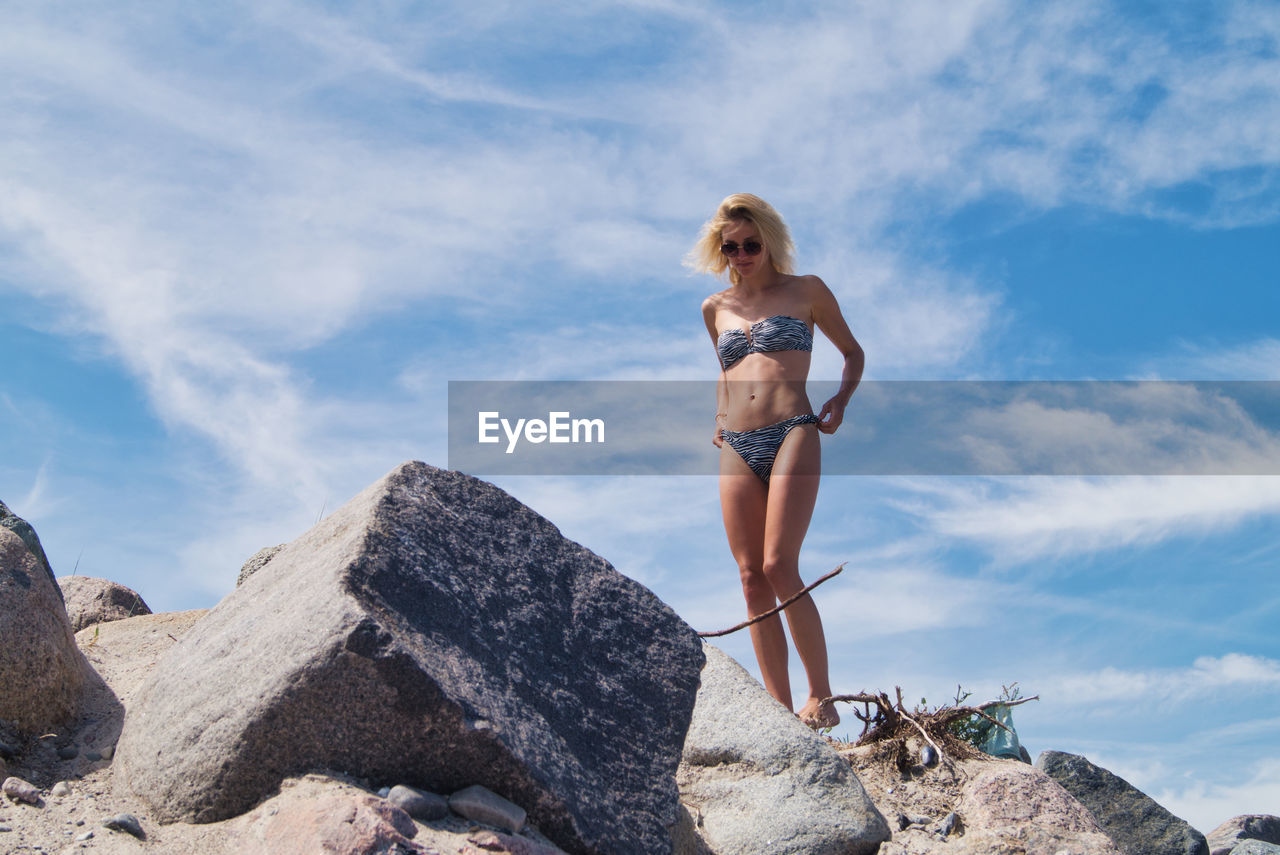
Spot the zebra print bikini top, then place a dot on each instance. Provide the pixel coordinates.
(780, 332)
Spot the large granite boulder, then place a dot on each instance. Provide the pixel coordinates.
(91, 601)
(756, 780)
(42, 672)
(1008, 807)
(1257, 826)
(1134, 820)
(432, 632)
(23, 529)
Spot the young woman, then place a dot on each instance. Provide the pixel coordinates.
(762, 326)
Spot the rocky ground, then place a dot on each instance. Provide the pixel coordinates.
(953, 806)
(78, 793)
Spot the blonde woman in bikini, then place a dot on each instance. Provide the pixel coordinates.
(762, 327)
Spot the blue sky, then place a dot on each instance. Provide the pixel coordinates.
(244, 248)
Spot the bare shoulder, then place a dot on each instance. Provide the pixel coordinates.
(812, 286)
(717, 299)
(713, 304)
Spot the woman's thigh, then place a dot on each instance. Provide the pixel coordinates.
(793, 492)
(742, 502)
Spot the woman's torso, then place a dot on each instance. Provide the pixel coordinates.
(765, 347)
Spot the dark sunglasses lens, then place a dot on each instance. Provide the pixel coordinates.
(751, 247)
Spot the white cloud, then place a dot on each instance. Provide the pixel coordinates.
(1099, 428)
(1253, 360)
(210, 228)
(899, 597)
(1022, 519)
(1242, 674)
(1207, 805)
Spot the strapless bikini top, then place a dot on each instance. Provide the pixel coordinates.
(780, 332)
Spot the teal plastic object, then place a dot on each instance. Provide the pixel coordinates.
(1001, 742)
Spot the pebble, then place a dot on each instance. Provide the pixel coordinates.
(483, 805)
(60, 789)
(20, 791)
(7, 751)
(126, 822)
(108, 752)
(92, 756)
(419, 804)
(928, 755)
(88, 835)
(68, 752)
(948, 824)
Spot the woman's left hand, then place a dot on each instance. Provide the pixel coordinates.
(831, 416)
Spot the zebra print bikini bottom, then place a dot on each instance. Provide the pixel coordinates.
(758, 447)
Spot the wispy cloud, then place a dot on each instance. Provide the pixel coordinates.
(1022, 519)
(1240, 673)
(214, 228)
(1252, 360)
(1208, 804)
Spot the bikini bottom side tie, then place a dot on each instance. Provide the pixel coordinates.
(759, 447)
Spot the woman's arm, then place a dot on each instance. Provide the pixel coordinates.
(722, 386)
(828, 318)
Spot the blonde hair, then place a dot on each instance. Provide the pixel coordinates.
(706, 257)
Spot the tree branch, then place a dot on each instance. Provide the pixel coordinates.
(788, 601)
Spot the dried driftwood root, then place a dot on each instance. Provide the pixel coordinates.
(884, 719)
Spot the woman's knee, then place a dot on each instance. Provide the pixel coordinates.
(755, 585)
(782, 575)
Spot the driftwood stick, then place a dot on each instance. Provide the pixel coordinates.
(862, 698)
(990, 704)
(922, 732)
(953, 714)
(775, 609)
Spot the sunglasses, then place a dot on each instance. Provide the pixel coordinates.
(750, 247)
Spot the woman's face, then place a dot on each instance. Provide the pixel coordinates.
(739, 233)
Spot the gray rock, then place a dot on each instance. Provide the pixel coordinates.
(1134, 820)
(23, 529)
(425, 806)
(1256, 826)
(126, 822)
(256, 563)
(480, 804)
(60, 790)
(41, 669)
(759, 781)
(19, 790)
(1256, 847)
(437, 632)
(91, 601)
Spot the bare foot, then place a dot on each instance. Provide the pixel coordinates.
(818, 715)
